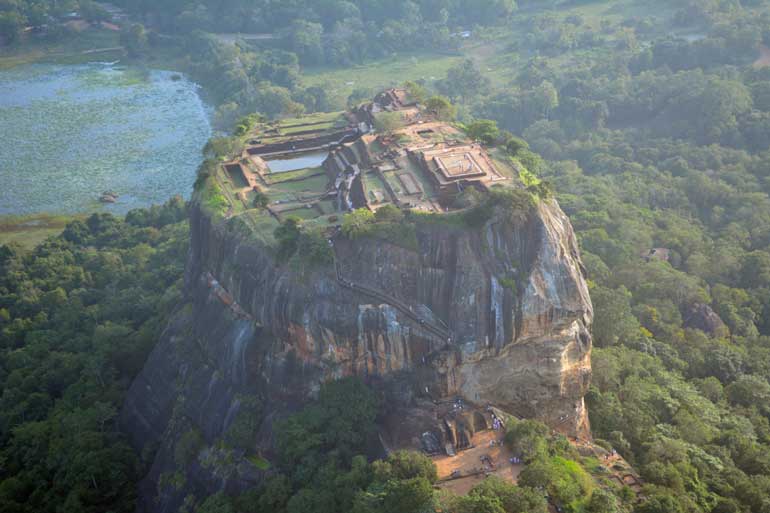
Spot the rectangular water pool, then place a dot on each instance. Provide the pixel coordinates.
(306, 160)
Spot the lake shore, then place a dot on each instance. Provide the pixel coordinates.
(75, 131)
(29, 231)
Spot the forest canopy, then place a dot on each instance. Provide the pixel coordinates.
(649, 120)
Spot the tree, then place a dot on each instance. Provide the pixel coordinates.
(93, 12)
(527, 439)
(221, 147)
(406, 465)
(511, 498)
(475, 504)
(564, 480)
(389, 214)
(614, 323)
(543, 99)
(749, 391)
(464, 81)
(134, 38)
(602, 502)
(261, 200)
(388, 121)
(287, 235)
(314, 249)
(305, 40)
(484, 130)
(513, 145)
(342, 421)
(105, 286)
(312, 499)
(356, 223)
(11, 24)
(417, 92)
(659, 503)
(415, 494)
(490, 11)
(217, 503)
(441, 107)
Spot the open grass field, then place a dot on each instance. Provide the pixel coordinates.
(299, 174)
(593, 13)
(314, 121)
(380, 74)
(29, 231)
(72, 50)
(316, 184)
(303, 213)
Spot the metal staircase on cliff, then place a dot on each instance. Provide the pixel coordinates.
(396, 303)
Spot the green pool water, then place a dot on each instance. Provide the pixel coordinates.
(68, 133)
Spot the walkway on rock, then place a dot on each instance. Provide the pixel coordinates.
(399, 305)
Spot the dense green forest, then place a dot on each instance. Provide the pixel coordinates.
(78, 316)
(322, 469)
(653, 128)
(663, 143)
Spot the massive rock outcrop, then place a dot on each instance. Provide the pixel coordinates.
(496, 315)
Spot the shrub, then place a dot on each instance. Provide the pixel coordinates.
(356, 223)
(287, 236)
(314, 249)
(246, 123)
(222, 147)
(514, 204)
(513, 145)
(389, 214)
(261, 200)
(187, 447)
(213, 199)
(416, 92)
(388, 121)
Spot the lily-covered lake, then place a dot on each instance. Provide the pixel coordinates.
(69, 133)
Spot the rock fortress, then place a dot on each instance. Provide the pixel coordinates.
(421, 262)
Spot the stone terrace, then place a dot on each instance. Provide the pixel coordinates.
(322, 165)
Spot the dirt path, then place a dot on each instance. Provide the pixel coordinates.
(469, 468)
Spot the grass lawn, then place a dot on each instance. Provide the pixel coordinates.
(393, 181)
(322, 222)
(315, 184)
(303, 213)
(380, 74)
(373, 182)
(328, 206)
(305, 128)
(275, 178)
(315, 121)
(501, 160)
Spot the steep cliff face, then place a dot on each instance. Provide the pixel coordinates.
(498, 315)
